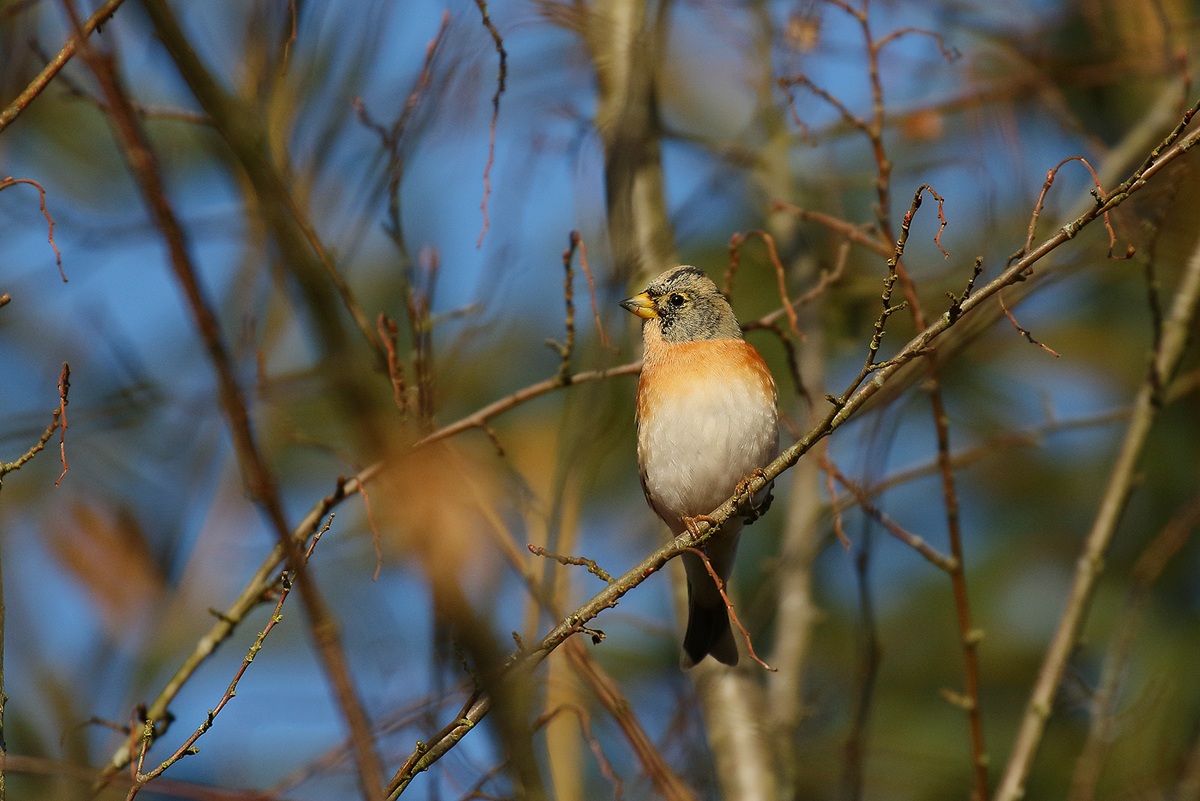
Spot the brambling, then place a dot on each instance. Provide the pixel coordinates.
(706, 421)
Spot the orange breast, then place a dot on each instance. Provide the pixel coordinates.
(706, 419)
(684, 367)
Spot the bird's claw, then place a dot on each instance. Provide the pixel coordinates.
(743, 488)
(692, 524)
(746, 498)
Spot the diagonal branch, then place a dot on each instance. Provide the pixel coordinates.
(256, 474)
(57, 63)
(1112, 503)
(853, 399)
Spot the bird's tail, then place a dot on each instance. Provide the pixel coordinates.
(708, 630)
(708, 633)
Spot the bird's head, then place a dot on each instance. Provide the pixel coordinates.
(686, 306)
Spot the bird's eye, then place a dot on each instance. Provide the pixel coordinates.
(676, 300)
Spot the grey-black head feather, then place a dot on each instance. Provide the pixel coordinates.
(688, 306)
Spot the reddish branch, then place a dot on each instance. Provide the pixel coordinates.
(388, 333)
(10, 181)
(591, 290)
(666, 783)
(946, 563)
(479, 418)
(585, 725)
(64, 386)
(735, 243)
(729, 606)
(855, 233)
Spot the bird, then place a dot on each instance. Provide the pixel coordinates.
(707, 422)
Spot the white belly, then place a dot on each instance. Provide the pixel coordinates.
(701, 442)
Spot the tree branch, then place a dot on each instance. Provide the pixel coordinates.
(57, 63)
(1112, 503)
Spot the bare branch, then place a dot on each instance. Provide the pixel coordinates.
(1120, 485)
(479, 419)
(57, 63)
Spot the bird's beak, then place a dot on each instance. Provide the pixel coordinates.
(641, 305)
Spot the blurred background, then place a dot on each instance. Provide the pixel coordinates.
(364, 138)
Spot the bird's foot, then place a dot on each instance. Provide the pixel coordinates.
(692, 524)
(742, 491)
(746, 498)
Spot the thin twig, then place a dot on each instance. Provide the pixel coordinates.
(388, 333)
(10, 181)
(479, 418)
(931, 554)
(855, 233)
(735, 242)
(56, 417)
(501, 77)
(418, 303)
(585, 725)
(1022, 330)
(64, 386)
(789, 352)
(188, 747)
(729, 606)
(583, 262)
(835, 501)
(255, 593)
(565, 350)
(579, 561)
(1029, 437)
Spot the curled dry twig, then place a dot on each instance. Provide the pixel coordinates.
(10, 181)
